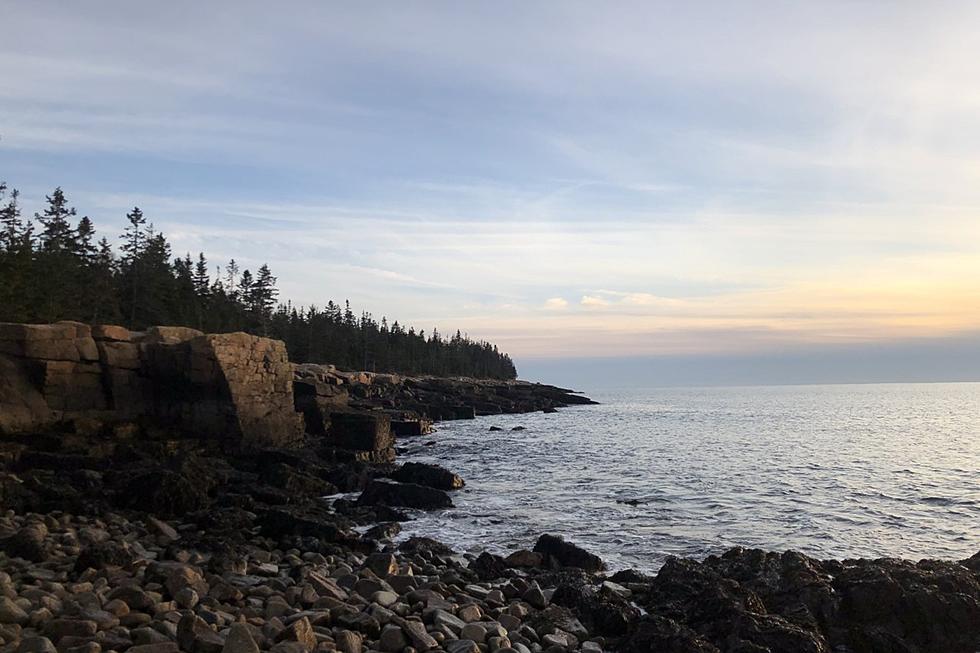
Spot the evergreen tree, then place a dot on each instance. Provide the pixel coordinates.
(245, 288)
(12, 228)
(58, 288)
(231, 278)
(57, 234)
(202, 280)
(262, 298)
(104, 297)
(134, 245)
(134, 237)
(70, 276)
(16, 259)
(84, 235)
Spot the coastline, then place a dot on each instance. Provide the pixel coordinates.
(127, 535)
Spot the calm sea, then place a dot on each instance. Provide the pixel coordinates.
(834, 471)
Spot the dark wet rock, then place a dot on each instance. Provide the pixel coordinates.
(429, 475)
(407, 495)
(164, 493)
(308, 521)
(656, 634)
(295, 482)
(789, 602)
(29, 543)
(488, 566)
(384, 531)
(604, 614)
(195, 636)
(524, 558)
(495, 428)
(557, 551)
(627, 576)
(424, 545)
(102, 555)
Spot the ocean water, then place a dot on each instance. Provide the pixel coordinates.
(834, 471)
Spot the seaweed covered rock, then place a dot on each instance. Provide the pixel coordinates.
(565, 554)
(429, 475)
(405, 495)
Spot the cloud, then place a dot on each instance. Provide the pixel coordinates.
(556, 303)
(706, 178)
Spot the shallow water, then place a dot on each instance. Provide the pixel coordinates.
(832, 471)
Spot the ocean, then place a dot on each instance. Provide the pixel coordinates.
(832, 471)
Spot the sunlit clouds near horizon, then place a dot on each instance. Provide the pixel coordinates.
(565, 179)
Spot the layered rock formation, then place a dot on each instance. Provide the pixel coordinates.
(413, 403)
(232, 387)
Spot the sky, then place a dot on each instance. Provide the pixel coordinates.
(636, 184)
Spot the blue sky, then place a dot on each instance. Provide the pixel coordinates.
(567, 179)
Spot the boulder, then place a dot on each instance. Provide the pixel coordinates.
(565, 554)
(22, 406)
(361, 431)
(233, 387)
(243, 391)
(429, 475)
(406, 495)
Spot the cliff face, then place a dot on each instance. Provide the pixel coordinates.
(231, 387)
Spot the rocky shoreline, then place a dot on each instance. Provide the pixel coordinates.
(164, 492)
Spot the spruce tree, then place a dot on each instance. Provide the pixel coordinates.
(83, 241)
(263, 293)
(134, 245)
(57, 234)
(202, 280)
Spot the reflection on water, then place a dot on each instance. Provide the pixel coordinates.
(832, 471)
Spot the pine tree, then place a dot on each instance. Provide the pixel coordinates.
(84, 235)
(202, 280)
(134, 245)
(59, 289)
(12, 228)
(245, 288)
(16, 260)
(263, 294)
(105, 301)
(231, 278)
(70, 276)
(57, 234)
(134, 238)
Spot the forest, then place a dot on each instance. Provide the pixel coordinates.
(54, 267)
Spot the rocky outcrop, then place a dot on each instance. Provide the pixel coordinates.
(405, 495)
(231, 387)
(364, 436)
(560, 553)
(753, 600)
(429, 475)
(413, 403)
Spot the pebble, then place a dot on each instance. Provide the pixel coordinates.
(263, 598)
(462, 646)
(392, 639)
(349, 642)
(240, 640)
(11, 613)
(470, 613)
(475, 632)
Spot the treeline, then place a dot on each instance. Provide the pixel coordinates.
(54, 267)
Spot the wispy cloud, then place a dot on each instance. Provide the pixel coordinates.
(565, 179)
(556, 303)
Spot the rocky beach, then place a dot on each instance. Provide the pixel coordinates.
(171, 490)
